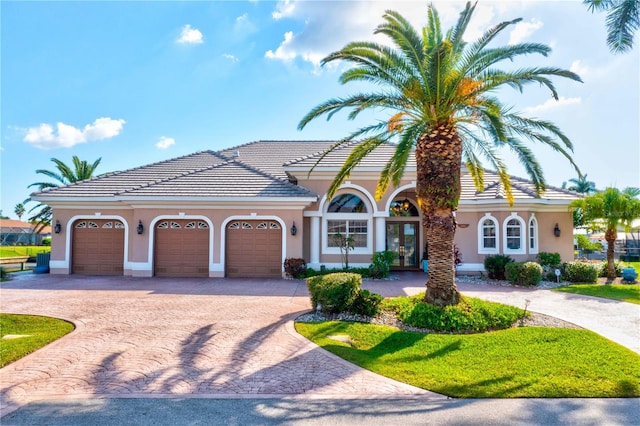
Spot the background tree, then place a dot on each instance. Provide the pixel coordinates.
(623, 20)
(582, 185)
(19, 210)
(440, 92)
(62, 176)
(608, 210)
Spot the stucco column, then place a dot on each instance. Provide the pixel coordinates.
(314, 241)
(381, 234)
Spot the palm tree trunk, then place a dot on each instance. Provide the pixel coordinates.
(610, 236)
(438, 159)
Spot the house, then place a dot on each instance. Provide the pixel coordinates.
(242, 211)
(15, 232)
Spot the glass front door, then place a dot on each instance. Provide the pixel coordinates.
(402, 239)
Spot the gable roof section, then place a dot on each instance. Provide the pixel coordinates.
(231, 179)
(260, 169)
(376, 160)
(269, 156)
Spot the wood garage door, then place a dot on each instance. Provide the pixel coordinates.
(254, 249)
(97, 247)
(181, 248)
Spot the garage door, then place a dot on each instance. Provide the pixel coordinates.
(97, 247)
(254, 249)
(181, 248)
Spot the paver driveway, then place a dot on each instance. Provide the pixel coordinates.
(151, 337)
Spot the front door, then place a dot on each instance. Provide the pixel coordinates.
(402, 239)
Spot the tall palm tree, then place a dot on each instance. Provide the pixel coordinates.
(582, 185)
(19, 210)
(64, 175)
(607, 210)
(623, 20)
(439, 92)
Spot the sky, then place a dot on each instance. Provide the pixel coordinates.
(138, 82)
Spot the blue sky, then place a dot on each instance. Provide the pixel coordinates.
(140, 82)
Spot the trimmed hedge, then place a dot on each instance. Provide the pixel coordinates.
(581, 272)
(526, 274)
(495, 265)
(341, 292)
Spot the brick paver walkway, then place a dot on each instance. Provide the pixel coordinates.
(152, 337)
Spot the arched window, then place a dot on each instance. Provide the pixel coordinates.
(488, 235)
(533, 234)
(347, 219)
(514, 235)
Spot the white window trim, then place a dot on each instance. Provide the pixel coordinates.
(481, 248)
(533, 221)
(523, 235)
(348, 216)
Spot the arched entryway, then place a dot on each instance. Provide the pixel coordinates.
(403, 234)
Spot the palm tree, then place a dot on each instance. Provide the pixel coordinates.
(63, 176)
(606, 211)
(19, 210)
(439, 92)
(582, 185)
(623, 20)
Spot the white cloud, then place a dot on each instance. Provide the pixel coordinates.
(230, 57)
(165, 142)
(327, 29)
(578, 68)
(553, 104)
(67, 136)
(244, 26)
(523, 30)
(190, 35)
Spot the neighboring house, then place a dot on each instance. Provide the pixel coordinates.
(242, 211)
(15, 232)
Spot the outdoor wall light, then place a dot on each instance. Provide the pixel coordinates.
(140, 228)
(556, 230)
(294, 230)
(406, 204)
(58, 227)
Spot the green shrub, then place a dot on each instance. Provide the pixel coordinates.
(381, 264)
(334, 293)
(295, 267)
(581, 272)
(366, 303)
(495, 265)
(550, 260)
(470, 315)
(46, 241)
(604, 268)
(526, 274)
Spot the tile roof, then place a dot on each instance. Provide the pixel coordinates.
(259, 169)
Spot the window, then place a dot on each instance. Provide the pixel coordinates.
(533, 235)
(347, 216)
(514, 233)
(340, 229)
(488, 235)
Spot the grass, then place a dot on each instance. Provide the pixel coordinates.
(15, 251)
(37, 331)
(635, 265)
(527, 362)
(622, 292)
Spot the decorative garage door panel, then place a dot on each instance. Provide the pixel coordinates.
(97, 247)
(181, 248)
(254, 249)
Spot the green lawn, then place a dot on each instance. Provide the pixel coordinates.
(635, 265)
(36, 331)
(527, 362)
(14, 251)
(622, 292)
